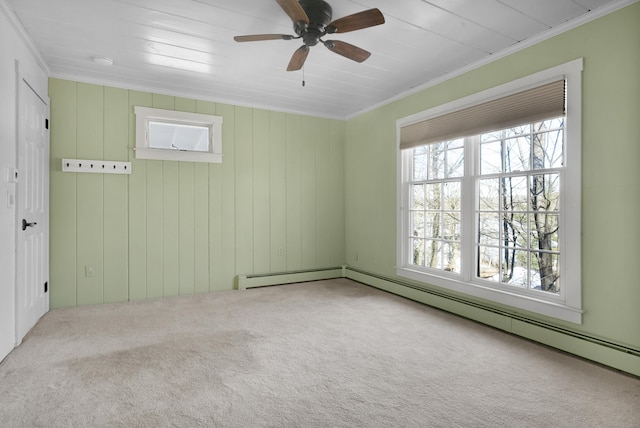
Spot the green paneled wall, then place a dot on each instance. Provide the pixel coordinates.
(275, 203)
(610, 47)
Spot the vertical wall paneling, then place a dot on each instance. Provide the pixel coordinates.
(224, 232)
(62, 233)
(201, 228)
(261, 193)
(293, 168)
(90, 199)
(336, 178)
(154, 228)
(323, 194)
(217, 257)
(274, 203)
(166, 102)
(116, 208)
(278, 191)
(201, 212)
(186, 215)
(308, 236)
(186, 230)
(244, 190)
(138, 222)
(170, 238)
(184, 104)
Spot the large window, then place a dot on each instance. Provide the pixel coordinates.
(495, 210)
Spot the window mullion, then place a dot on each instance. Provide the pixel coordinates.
(469, 189)
(406, 170)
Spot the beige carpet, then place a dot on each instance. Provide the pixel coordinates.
(321, 354)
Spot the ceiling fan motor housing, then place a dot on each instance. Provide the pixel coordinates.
(319, 13)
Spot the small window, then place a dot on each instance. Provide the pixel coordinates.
(176, 135)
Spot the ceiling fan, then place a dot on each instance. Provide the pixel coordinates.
(312, 21)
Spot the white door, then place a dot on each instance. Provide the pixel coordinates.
(32, 243)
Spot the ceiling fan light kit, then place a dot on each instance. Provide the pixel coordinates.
(312, 21)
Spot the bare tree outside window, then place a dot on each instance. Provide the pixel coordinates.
(517, 208)
(436, 205)
(519, 186)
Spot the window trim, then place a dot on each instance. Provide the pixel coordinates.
(144, 115)
(567, 306)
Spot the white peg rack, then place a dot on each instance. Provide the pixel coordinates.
(96, 166)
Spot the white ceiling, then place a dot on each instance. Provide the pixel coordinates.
(186, 47)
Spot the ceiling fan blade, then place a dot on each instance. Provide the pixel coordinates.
(357, 21)
(260, 37)
(294, 10)
(347, 50)
(298, 58)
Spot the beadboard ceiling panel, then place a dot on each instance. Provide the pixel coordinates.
(186, 47)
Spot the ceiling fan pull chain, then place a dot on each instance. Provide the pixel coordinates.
(303, 77)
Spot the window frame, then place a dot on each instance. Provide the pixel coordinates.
(143, 150)
(567, 305)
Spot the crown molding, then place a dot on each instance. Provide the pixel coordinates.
(182, 92)
(552, 32)
(6, 10)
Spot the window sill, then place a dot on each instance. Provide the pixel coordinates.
(177, 155)
(528, 303)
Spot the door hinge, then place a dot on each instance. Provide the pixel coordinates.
(46, 286)
(46, 123)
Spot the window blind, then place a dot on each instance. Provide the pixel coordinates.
(536, 104)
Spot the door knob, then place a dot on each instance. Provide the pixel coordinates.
(25, 224)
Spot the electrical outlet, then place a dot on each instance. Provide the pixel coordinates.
(89, 271)
(281, 251)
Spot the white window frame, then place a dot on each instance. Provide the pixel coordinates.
(567, 305)
(143, 150)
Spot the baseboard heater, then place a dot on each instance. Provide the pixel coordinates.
(615, 355)
(244, 282)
